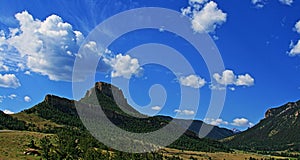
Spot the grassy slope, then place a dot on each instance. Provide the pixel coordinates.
(35, 119)
(14, 143)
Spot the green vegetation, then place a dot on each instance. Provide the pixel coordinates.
(14, 144)
(8, 122)
(60, 134)
(58, 110)
(70, 140)
(278, 131)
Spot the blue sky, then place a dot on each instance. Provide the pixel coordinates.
(257, 40)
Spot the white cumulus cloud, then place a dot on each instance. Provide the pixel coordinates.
(123, 66)
(9, 81)
(205, 17)
(228, 77)
(215, 122)
(242, 122)
(295, 49)
(258, 3)
(297, 27)
(27, 99)
(27, 73)
(185, 112)
(92, 46)
(286, 2)
(48, 46)
(193, 81)
(156, 108)
(239, 122)
(244, 80)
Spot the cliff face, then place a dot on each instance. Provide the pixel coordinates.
(109, 90)
(102, 90)
(289, 108)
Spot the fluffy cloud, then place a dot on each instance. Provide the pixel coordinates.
(193, 81)
(123, 66)
(244, 80)
(205, 17)
(27, 73)
(286, 2)
(258, 3)
(295, 49)
(242, 122)
(156, 108)
(91, 46)
(239, 122)
(215, 122)
(226, 78)
(27, 99)
(49, 46)
(6, 111)
(297, 27)
(9, 81)
(229, 78)
(12, 96)
(185, 112)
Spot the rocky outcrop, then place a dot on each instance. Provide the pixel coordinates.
(285, 109)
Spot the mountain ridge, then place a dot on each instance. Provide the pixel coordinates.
(278, 130)
(55, 114)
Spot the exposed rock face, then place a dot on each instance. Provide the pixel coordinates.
(105, 88)
(269, 113)
(110, 91)
(286, 109)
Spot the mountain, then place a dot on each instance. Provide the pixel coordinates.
(278, 131)
(111, 99)
(55, 114)
(104, 91)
